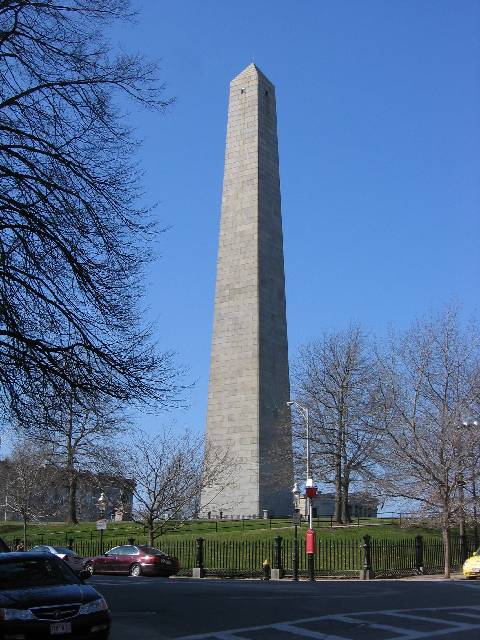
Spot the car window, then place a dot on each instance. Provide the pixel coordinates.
(4, 548)
(65, 550)
(40, 548)
(114, 552)
(129, 550)
(153, 551)
(35, 572)
(119, 551)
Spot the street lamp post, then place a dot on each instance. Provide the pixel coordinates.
(102, 507)
(296, 520)
(310, 491)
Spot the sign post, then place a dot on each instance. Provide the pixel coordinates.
(101, 526)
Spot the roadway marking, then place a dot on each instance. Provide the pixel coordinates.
(358, 619)
(305, 633)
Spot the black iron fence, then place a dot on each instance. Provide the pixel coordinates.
(333, 557)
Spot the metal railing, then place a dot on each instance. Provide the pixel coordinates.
(333, 557)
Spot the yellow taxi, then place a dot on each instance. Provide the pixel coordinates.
(471, 566)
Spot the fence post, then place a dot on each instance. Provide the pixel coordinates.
(70, 543)
(366, 573)
(198, 571)
(277, 571)
(418, 554)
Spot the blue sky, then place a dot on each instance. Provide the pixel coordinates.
(379, 132)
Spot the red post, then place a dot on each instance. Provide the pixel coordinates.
(310, 541)
(310, 549)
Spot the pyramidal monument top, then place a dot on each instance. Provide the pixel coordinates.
(250, 70)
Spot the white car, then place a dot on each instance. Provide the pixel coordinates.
(74, 561)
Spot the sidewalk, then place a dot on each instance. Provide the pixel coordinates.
(454, 576)
(434, 578)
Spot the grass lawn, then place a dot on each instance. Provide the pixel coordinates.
(239, 547)
(248, 530)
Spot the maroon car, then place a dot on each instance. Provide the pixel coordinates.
(134, 560)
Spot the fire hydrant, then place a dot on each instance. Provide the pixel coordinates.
(266, 570)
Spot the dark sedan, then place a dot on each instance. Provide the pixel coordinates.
(74, 561)
(40, 596)
(135, 561)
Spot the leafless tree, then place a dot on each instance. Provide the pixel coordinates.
(73, 240)
(77, 435)
(429, 382)
(25, 480)
(335, 378)
(168, 473)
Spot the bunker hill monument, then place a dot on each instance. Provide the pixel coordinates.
(249, 381)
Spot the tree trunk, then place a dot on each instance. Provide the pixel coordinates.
(151, 527)
(446, 549)
(72, 498)
(337, 513)
(345, 499)
(344, 471)
(71, 471)
(24, 533)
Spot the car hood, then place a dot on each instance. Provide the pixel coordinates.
(45, 596)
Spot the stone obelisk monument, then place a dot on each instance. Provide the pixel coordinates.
(249, 381)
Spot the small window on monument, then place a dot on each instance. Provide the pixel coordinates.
(242, 90)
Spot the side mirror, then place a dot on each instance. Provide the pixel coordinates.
(84, 574)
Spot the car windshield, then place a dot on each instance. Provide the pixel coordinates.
(152, 551)
(64, 550)
(3, 546)
(35, 572)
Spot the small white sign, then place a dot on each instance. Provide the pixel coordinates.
(101, 525)
(297, 518)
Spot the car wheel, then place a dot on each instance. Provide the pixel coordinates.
(89, 567)
(135, 570)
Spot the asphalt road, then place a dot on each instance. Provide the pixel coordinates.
(159, 608)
